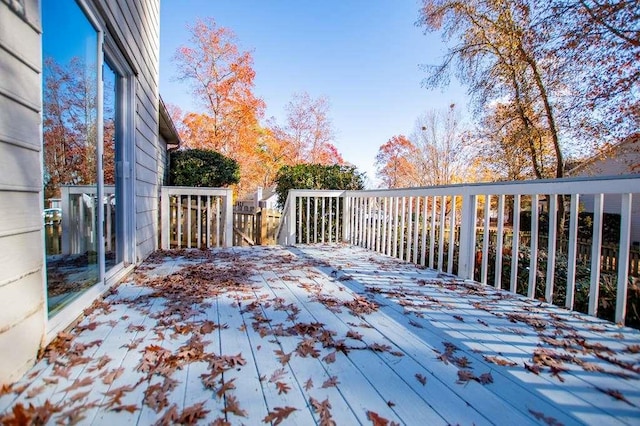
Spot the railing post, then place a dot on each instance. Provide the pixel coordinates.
(467, 236)
(165, 218)
(228, 218)
(291, 214)
(623, 258)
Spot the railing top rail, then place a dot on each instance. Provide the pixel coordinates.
(317, 192)
(190, 190)
(84, 189)
(581, 185)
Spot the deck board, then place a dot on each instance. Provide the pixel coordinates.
(267, 327)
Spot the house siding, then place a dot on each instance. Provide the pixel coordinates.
(22, 325)
(623, 159)
(135, 27)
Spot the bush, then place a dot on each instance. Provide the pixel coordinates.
(610, 225)
(316, 176)
(203, 168)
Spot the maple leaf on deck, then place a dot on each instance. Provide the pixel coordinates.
(465, 376)
(500, 361)
(282, 387)
(422, 379)
(226, 386)
(307, 348)
(547, 419)
(278, 415)
(616, 395)
(30, 415)
(330, 382)
(78, 383)
(35, 391)
(112, 375)
(277, 375)
(169, 417)
(324, 411)
(308, 384)
(377, 347)
(232, 406)
(191, 415)
(354, 335)
(282, 357)
(330, 358)
(129, 408)
(485, 379)
(378, 420)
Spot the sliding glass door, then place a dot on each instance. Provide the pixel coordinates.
(84, 154)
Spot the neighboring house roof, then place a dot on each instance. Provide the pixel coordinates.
(266, 194)
(167, 128)
(619, 159)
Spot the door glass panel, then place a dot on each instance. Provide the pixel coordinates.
(69, 45)
(111, 154)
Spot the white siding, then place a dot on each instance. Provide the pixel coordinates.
(22, 324)
(619, 160)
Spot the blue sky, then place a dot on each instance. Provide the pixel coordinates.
(363, 55)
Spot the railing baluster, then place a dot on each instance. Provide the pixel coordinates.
(189, 226)
(385, 214)
(179, 221)
(378, 224)
(596, 248)
(208, 221)
(218, 220)
(573, 246)
(402, 227)
(416, 230)
(338, 221)
(330, 235)
(499, 242)
(322, 228)
(394, 247)
(432, 233)
(533, 256)
(423, 248)
(515, 244)
(484, 270)
(452, 235)
(369, 223)
(409, 229)
(441, 238)
(308, 227)
(199, 224)
(315, 219)
(623, 258)
(551, 247)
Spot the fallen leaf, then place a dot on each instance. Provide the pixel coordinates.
(330, 382)
(485, 378)
(330, 358)
(282, 387)
(500, 361)
(323, 409)
(129, 408)
(308, 384)
(422, 379)
(232, 406)
(282, 357)
(78, 383)
(377, 419)
(278, 415)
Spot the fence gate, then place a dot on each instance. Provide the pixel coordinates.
(257, 228)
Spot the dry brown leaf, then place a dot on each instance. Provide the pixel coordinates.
(422, 379)
(112, 375)
(500, 361)
(308, 384)
(226, 386)
(485, 378)
(550, 421)
(282, 387)
(465, 375)
(330, 382)
(277, 375)
(282, 357)
(323, 409)
(232, 406)
(129, 408)
(191, 415)
(330, 358)
(278, 415)
(616, 394)
(378, 420)
(78, 383)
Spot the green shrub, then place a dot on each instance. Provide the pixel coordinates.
(317, 176)
(202, 168)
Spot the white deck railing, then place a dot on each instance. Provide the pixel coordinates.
(196, 217)
(78, 209)
(444, 228)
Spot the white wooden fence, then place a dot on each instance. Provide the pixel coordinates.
(437, 227)
(196, 217)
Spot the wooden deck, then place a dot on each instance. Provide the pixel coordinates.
(315, 334)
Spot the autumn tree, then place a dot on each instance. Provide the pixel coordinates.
(222, 79)
(500, 55)
(394, 163)
(441, 152)
(601, 40)
(308, 132)
(69, 125)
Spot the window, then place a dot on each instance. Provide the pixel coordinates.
(87, 141)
